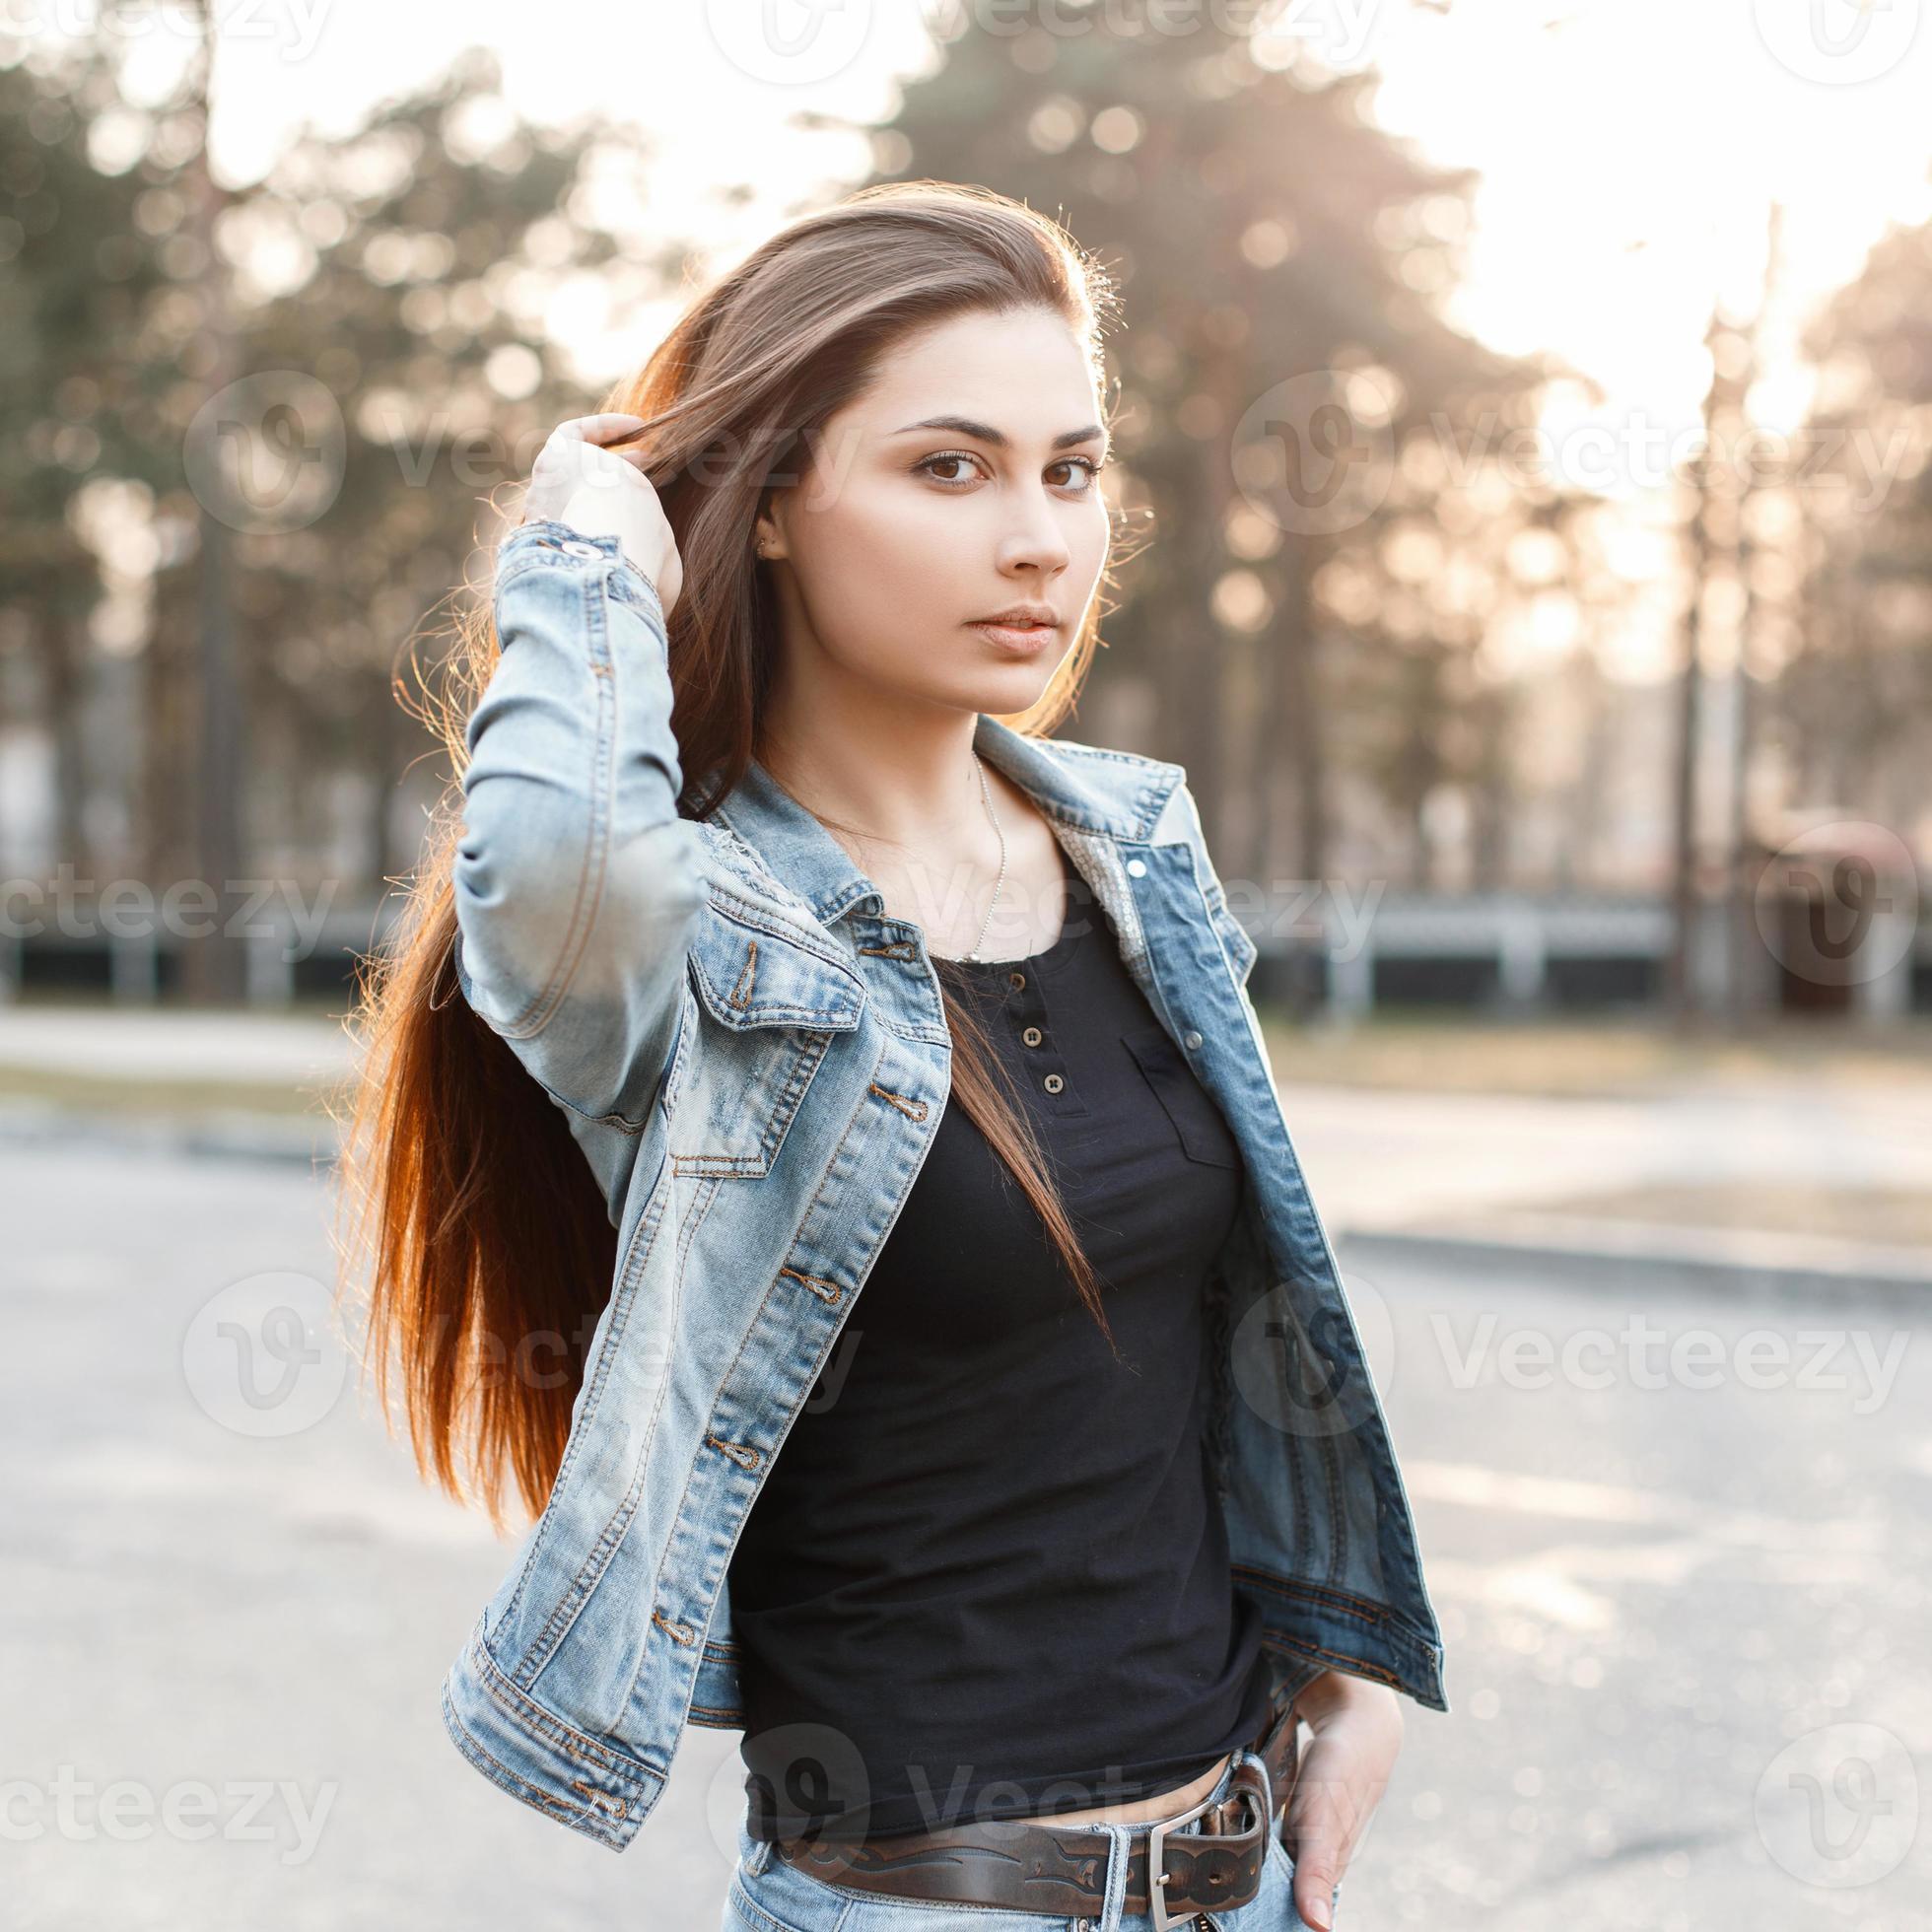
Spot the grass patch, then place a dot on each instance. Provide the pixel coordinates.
(1432, 1052)
(1893, 1217)
(146, 1097)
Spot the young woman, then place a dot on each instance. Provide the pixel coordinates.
(771, 951)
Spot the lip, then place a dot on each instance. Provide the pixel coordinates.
(1035, 611)
(1023, 639)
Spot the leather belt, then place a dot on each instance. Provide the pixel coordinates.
(1025, 1865)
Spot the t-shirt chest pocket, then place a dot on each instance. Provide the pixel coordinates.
(1203, 1134)
(762, 1013)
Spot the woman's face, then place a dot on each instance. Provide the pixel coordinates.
(963, 483)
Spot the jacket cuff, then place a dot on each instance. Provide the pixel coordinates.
(546, 539)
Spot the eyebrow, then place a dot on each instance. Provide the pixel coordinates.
(986, 433)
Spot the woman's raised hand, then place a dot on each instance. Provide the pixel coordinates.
(605, 493)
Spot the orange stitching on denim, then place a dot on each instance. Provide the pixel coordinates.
(551, 995)
(739, 1453)
(1321, 1593)
(615, 1806)
(898, 949)
(671, 1630)
(1360, 1665)
(740, 994)
(825, 1291)
(524, 1787)
(912, 1109)
(525, 1711)
(565, 1744)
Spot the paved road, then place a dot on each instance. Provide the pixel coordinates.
(1686, 1621)
(1376, 1157)
(1382, 1159)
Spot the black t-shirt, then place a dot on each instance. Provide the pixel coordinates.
(987, 1576)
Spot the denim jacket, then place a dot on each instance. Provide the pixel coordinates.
(752, 1054)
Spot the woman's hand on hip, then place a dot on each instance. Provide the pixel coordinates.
(1341, 1779)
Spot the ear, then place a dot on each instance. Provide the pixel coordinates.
(767, 539)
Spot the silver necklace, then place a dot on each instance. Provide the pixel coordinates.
(986, 799)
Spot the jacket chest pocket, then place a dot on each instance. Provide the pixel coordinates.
(762, 1012)
(1203, 1134)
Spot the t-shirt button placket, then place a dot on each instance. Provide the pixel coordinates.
(1033, 1037)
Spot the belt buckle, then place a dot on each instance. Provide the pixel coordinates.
(1157, 1878)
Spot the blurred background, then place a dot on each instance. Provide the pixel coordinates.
(1527, 406)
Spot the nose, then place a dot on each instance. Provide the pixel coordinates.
(1035, 541)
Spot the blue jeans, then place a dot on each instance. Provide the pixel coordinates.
(769, 1896)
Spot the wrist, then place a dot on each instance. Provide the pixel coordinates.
(1333, 1691)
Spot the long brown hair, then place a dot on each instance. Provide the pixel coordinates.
(491, 1244)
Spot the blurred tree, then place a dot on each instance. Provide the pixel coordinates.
(397, 370)
(1335, 657)
(382, 364)
(1854, 705)
(76, 272)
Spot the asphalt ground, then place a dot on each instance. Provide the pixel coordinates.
(1678, 1545)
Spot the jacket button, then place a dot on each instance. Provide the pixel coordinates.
(1191, 1040)
(1053, 1082)
(575, 549)
(1032, 1036)
(1016, 979)
(1137, 868)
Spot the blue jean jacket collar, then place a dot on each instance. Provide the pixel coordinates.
(798, 850)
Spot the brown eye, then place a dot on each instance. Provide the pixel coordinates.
(953, 456)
